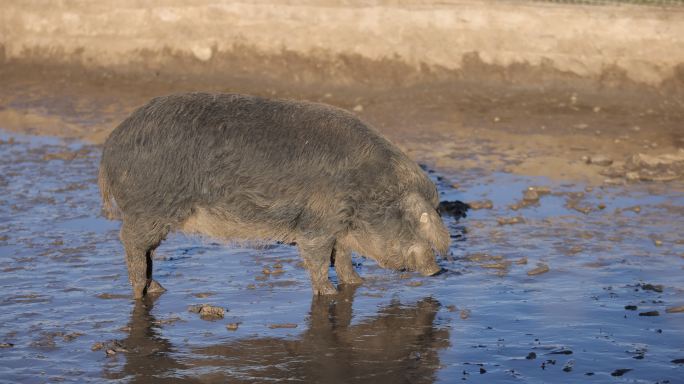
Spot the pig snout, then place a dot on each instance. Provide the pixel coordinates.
(430, 270)
(423, 258)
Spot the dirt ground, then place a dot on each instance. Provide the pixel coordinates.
(563, 271)
(452, 123)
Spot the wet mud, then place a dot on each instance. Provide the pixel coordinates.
(571, 283)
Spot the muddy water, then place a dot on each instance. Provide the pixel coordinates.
(560, 294)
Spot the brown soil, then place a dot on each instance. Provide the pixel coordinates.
(450, 123)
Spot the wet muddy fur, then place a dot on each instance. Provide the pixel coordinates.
(239, 167)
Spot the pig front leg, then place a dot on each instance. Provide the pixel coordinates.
(140, 238)
(343, 265)
(316, 254)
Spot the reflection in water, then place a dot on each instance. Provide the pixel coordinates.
(149, 359)
(399, 345)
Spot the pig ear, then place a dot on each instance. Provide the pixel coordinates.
(424, 218)
(429, 224)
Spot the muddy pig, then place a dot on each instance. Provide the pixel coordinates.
(239, 167)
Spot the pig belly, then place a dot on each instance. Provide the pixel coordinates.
(226, 226)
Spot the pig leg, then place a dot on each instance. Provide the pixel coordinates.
(140, 238)
(343, 265)
(316, 255)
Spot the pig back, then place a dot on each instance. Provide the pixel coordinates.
(283, 163)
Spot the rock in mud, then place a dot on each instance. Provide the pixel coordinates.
(68, 155)
(567, 367)
(614, 181)
(71, 336)
(666, 167)
(574, 205)
(600, 160)
(500, 265)
(518, 205)
(530, 196)
(283, 325)
(677, 309)
(541, 268)
(620, 372)
(232, 326)
(480, 257)
(510, 220)
(207, 312)
(652, 287)
(170, 320)
(531, 356)
(110, 296)
(273, 271)
(203, 295)
(111, 347)
(541, 191)
(481, 204)
(465, 313)
(644, 160)
(649, 313)
(632, 176)
(631, 307)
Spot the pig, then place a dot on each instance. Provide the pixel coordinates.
(245, 168)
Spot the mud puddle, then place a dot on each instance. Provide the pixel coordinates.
(575, 285)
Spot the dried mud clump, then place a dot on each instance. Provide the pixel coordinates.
(541, 268)
(283, 325)
(111, 347)
(600, 160)
(481, 204)
(510, 220)
(643, 167)
(677, 309)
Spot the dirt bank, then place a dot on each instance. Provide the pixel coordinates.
(604, 45)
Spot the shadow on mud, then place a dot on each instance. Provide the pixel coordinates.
(399, 344)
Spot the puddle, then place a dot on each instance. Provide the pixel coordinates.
(63, 289)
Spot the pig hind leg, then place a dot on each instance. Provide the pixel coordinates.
(316, 254)
(343, 265)
(140, 238)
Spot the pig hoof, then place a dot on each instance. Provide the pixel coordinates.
(325, 289)
(353, 279)
(138, 292)
(155, 287)
(431, 271)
